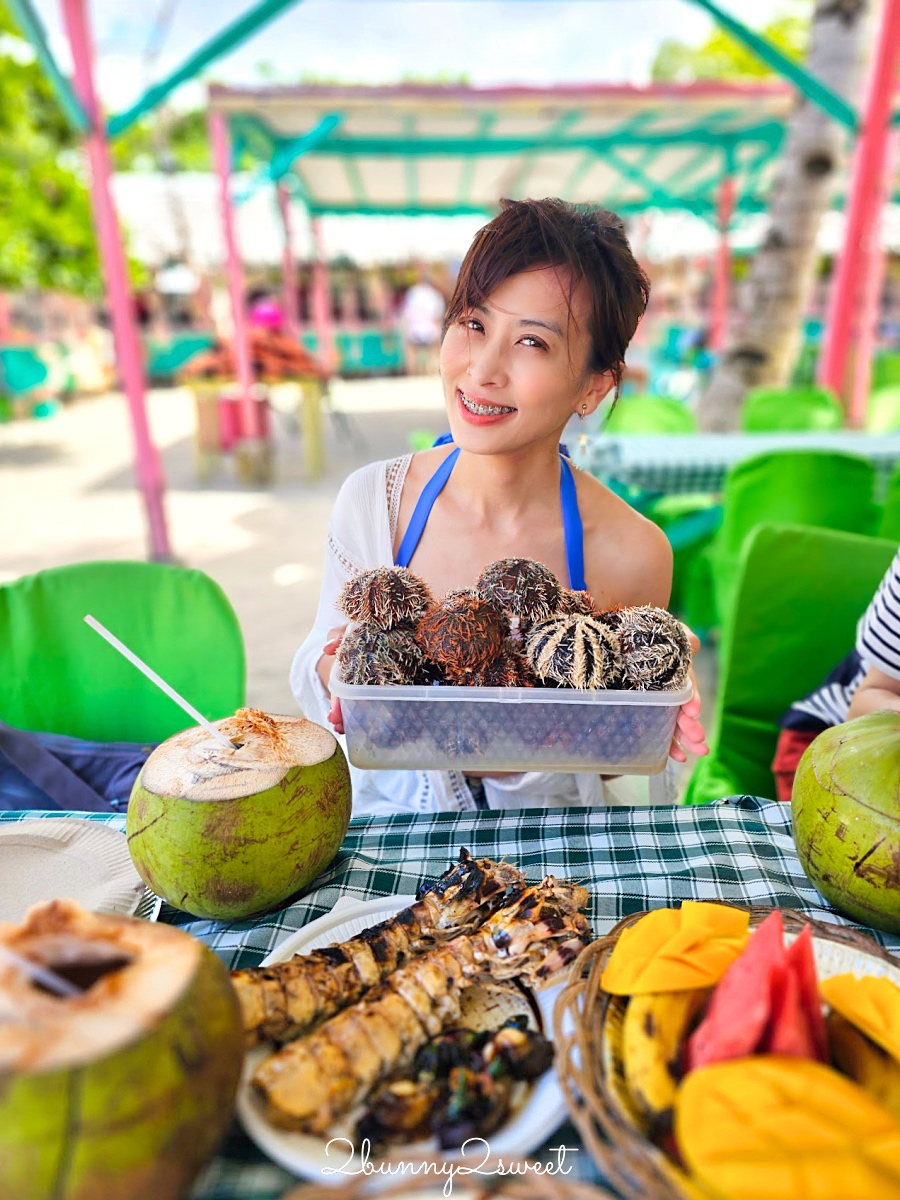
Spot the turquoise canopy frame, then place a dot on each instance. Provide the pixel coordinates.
(722, 168)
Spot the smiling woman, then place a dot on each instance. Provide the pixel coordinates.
(547, 300)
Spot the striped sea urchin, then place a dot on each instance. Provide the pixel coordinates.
(656, 652)
(575, 651)
(382, 656)
(385, 597)
(462, 639)
(526, 590)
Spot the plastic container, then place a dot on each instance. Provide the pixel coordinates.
(508, 729)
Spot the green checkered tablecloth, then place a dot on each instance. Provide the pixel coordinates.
(699, 462)
(740, 850)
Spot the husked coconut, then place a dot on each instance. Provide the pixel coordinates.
(124, 1089)
(228, 833)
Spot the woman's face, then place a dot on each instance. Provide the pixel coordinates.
(515, 369)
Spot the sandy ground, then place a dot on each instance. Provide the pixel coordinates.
(67, 495)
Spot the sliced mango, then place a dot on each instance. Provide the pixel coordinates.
(676, 949)
(771, 1128)
(871, 1003)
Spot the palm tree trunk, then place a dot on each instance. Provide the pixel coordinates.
(763, 343)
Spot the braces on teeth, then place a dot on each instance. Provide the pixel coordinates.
(484, 410)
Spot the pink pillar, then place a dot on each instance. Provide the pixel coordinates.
(288, 272)
(721, 285)
(148, 466)
(870, 306)
(221, 148)
(321, 302)
(863, 204)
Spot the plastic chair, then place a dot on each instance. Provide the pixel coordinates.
(822, 488)
(799, 410)
(889, 521)
(650, 414)
(883, 413)
(800, 594)
(22, 371)
(885, 369)
(58, 676)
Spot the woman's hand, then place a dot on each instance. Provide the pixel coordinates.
(323, 667)
(689, 735)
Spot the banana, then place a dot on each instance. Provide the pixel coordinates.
(654, 1031)
(867, 1064)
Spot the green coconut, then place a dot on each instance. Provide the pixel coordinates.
(227, 834)
(846, 811)
(124, 1090)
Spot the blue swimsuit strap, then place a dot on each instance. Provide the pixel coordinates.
(573, 530)
(422, 511)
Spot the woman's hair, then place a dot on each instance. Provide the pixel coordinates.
(589, 244)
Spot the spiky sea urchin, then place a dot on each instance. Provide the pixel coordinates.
(580, 603)
(385, 597)
(526, 590)
(656, 653)
(382, 656)
(462, 639)
(506, 669)
(575, 651)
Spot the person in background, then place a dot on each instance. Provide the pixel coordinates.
(422, 316)
(867, 680)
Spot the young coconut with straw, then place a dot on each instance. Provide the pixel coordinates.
(548, 297)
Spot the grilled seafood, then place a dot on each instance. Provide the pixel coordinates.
(535, 933)
(281, 1002)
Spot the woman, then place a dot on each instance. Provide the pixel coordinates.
(547, 300)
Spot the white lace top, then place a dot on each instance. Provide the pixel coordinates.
(361, 536)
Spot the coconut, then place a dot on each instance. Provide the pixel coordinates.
(123, 1090)
(229, 833)
(846, 812)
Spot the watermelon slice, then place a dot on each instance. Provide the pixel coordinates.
(788, 1032)
(741, 1006)
(801, 960)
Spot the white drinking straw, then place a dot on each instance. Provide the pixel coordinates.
(42, 975)
(160, 683)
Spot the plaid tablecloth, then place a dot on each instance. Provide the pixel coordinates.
(699, 462)
(740, 850)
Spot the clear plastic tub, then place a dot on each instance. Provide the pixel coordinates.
(508, 729)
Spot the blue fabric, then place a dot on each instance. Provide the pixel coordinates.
(110, 768)
(422, 511)
(573, 529)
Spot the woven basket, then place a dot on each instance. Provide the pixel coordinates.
(631, 1163)
(526, 1187)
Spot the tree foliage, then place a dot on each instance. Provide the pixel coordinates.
(721, 57)
(164, 141)
(46, 235)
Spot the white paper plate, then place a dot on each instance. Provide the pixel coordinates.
(68, 858)
(306, 1155)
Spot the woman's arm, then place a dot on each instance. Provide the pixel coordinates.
(878, 692)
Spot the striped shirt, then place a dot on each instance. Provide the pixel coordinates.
(877, 645)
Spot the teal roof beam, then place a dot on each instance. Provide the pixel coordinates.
(769, 132)
(410, 166)
(486, 123)
(611, 199)
(354, 178)
(813, 89)
(31, 26)
(228, 39)
(549, 139)
(288, 151)
(656, 194)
